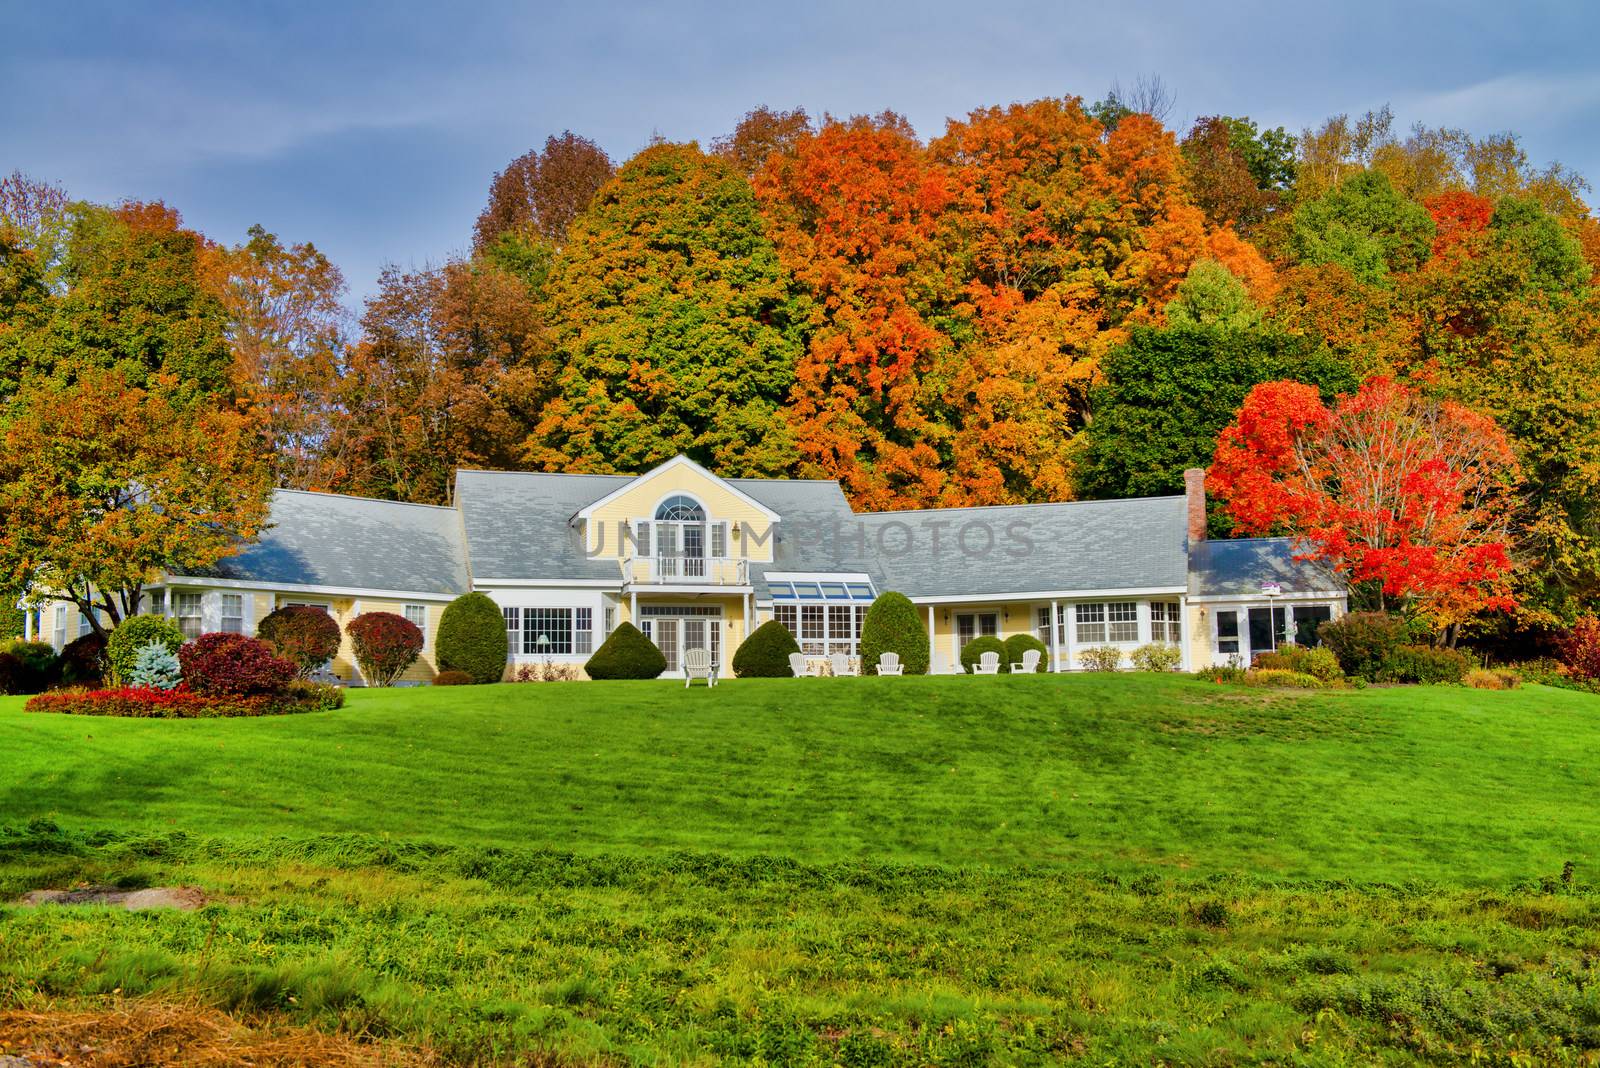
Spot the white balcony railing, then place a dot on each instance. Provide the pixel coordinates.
(688, 570)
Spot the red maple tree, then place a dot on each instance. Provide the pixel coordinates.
(1386, 486)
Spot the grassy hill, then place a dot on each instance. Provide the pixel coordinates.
(1095, 869)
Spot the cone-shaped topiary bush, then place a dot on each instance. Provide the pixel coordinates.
(974, 649)
(1018, 644)
(765, 654)
(307, 637)
(627, 654)
(472, 638)
(893, 625)
(129, 639)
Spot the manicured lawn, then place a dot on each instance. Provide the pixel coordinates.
(1098, 870)
(1458, 786)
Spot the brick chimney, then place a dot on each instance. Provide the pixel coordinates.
(1194, 488)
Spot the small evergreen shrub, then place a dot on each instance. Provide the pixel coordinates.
(1364, 642)
(130, 637)
(234, 665)
(385, 645)
(1318, 662)
(14, 675)
(893, 625)
(472, 638)
(40, 665)
(1100, 658)
(307, 637)
(1492, 679)
(83, 662)
(156, 668)
(1018, 644)
(1157, 656)
(1579, 648)
(765, 654)
(453, 678)
(1428, 665)
(627, 654)
(973, 650)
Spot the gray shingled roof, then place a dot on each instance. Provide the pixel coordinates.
(1239, 566)
(517, 524)
(325, 539)
(1079, 545)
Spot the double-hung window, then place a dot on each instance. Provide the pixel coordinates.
(417, 616)
(1091, 623)
(1124, 617)
(232, 619)
(186, 609)
(1164, 624)
(158, 603)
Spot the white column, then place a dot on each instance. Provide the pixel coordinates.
(1185, 639)
(633, 609)
(933, 647)
(1055, 634)
(27, 625)
(749, 597)
(1070, 627)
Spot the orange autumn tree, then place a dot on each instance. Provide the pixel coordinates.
(856, 210)
(1388, 487)
(1069, 235)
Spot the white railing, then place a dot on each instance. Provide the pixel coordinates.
(689, 570)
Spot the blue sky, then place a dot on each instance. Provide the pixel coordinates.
(372, 130)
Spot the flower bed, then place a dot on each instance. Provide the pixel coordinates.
(183, 703)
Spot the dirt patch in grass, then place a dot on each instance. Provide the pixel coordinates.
(183, 898)
(157, 1033)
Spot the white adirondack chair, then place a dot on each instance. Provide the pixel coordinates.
(797, 664)
(889, 664)
(1029, 665)
(840, 664)
(988, 664)
(697, 665)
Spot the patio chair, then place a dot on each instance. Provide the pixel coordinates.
(889, 664)
(697, 665)
(841, 666)
(988, 664)
(797, 664)
(1029, 665)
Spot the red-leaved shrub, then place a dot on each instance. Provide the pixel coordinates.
(181, 703)
(1580, 649)
(233, 664)
(385, 645)
(306, 637)
(83, 660)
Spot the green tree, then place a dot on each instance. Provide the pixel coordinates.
(678, 328)
(1365, 226)
(1211, 295)
(1167, 393)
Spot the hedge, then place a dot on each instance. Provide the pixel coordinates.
(233, 664)
(1364, 642)
(454, 678)
(307, 637)
(1428, 665)
(14, 675)
(893, 625)
(132, 635)
(627, 654)
(472, 638)
(385, 646)
(973, 650)
(38, 665)
(1018, 644)
(184, 703)
(765, 654)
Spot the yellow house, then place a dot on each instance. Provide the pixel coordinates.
(697, 561)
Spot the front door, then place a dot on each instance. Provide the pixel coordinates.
(674, 635)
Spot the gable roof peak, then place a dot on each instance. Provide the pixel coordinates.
(677, 461)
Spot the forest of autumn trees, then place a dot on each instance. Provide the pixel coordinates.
(1048, 300)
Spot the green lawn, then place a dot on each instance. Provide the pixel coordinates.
(1093, 869)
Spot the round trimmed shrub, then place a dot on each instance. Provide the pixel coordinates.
(472, 638)
(893, 625)
(765, 654)
(1100, 658)
(1364, 642)
(40, 665)
(131, 636)
(1018, 644)
(83, 662)
(234, 665)
(307, 637)
(973, 650)
(1157, 656)
(627, 654)
(453, 678)
(385, 645)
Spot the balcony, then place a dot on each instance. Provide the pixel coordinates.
(686, 571)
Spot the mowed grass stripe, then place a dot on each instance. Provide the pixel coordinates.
(1448, 785)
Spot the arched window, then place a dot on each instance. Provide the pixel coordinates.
(681, 509)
